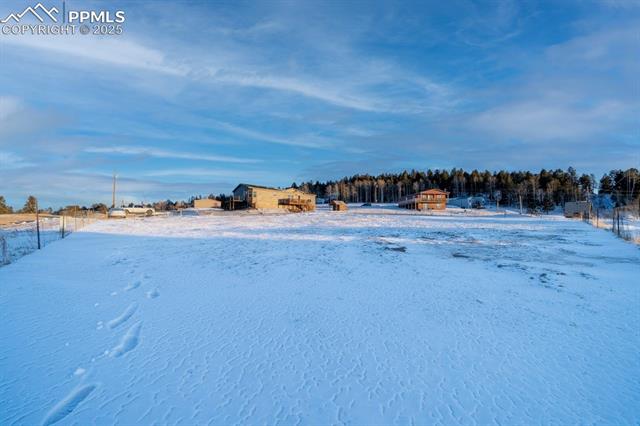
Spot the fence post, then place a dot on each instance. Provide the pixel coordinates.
(38, 224)
(620, 222)
(621, 219)
(619, 231)
(5, 251)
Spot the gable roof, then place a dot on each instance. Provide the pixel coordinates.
(433, 191)
(248, 185)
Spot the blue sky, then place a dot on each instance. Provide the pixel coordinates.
(195, 97)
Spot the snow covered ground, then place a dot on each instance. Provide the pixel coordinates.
(629, 226)
(363, 317)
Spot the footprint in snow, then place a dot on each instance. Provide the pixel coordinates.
(63, 408)
(152, 294)
(132, 286)
(123, 317)
(128, 342)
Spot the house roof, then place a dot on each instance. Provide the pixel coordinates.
(248, 185)
(434, 191)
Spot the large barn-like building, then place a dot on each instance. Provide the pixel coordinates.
(431, 199)
(264, 197)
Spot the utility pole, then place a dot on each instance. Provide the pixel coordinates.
(113, 192)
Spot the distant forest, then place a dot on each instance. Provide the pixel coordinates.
(544, 189)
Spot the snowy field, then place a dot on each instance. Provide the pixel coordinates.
(364, 317)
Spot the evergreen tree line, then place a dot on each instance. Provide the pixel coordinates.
(30, 206)
(545, 189)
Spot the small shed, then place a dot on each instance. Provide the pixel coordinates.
(339, 206)
(577, 208)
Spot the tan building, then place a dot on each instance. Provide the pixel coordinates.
(431, 199)
(206, 203)
(339, 206)
(263, 197)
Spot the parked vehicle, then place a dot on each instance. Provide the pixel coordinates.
(478, 203)
(139, 211)
(117, 213)
(366, 205)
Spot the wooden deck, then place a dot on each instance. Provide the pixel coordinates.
(297, 204)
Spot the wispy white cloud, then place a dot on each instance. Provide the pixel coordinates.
(484, 27)
(11, 161)
(575, 99)
(308, 142)
(118, 51)
(198, 172)
(162, 153)
(356, 85)
(319, 91)
(217, 173)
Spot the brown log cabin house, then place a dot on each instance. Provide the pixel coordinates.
(431, 199)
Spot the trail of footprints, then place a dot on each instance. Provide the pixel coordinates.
(123, 317)
(128, 342)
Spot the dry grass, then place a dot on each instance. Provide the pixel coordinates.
(14, 218)
(11, 219)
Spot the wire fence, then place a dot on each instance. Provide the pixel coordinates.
(623, 221)
(27, 235)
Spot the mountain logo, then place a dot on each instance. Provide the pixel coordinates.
(38, 11)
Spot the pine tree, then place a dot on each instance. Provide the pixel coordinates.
(31, 205)
(547, 203)
(606, 185)
(4, 208)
